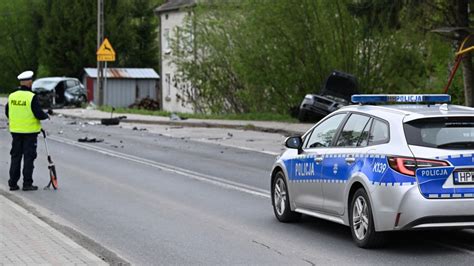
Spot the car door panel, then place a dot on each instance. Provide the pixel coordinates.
(306, 168)
(341, 160)
(303, 171)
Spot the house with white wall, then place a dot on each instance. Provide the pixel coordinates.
(172, 15)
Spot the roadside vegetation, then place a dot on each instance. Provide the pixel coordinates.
(249, 57)
(59, 38)
(264, 56)
(231, 116)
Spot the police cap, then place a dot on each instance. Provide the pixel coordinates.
(27, 75)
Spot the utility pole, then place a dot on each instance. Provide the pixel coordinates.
(100, 65)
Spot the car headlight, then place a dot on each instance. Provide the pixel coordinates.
(308, 99)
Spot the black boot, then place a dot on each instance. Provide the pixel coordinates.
(30, 188)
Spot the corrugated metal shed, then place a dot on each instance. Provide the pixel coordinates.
(125, 73)
(124, 85)
(171, 5)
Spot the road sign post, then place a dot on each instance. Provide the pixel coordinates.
(105, 53)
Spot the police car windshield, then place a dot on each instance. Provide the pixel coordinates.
(445, 133)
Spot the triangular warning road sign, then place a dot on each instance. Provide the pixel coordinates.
(106, 52)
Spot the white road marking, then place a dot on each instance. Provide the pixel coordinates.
(200, 177)
(166, 167)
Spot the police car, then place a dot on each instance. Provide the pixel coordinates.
(406, 164)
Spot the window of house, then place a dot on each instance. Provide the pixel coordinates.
(179, 41)
(168, 84)
(166, 41)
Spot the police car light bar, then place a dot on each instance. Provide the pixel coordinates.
(401, 98)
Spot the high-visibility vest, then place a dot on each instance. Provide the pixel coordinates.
(20, 115)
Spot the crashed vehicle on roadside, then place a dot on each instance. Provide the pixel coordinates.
(336, 93)
(59, 91)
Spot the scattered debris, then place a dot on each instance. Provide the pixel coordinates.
(250, 140)
(112, 121)
(91, 106)
(147, 104)
(175, 117)
(91, 140)
(114, 146)
(230, 134)
(72, 123)
(139, 129)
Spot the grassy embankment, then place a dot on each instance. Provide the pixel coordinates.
(247, 116)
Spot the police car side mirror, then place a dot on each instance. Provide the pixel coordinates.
(294, 143)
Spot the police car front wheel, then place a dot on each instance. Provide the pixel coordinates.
(362, 222)
(281, 200)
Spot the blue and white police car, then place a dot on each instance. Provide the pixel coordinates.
(406, 164)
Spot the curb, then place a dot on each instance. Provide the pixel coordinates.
(98, 254)
(187, 123)
(248, 126)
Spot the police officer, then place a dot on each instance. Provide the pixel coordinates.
(24, 114)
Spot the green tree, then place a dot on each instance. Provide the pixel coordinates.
(144, 45)
(19, 26)
(252, 55)
(69, 37)
(420, 18)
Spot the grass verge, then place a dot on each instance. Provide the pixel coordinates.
(246, 116)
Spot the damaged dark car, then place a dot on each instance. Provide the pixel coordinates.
(55, 92)
(336, 93)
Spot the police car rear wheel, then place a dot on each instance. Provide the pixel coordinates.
(281, 201)
(362, 222)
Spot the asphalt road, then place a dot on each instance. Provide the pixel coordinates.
(153, 199)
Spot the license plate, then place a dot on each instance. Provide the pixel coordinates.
(464, 177)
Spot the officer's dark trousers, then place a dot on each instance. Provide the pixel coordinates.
(23, 146)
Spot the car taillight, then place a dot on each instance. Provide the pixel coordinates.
(408, 166)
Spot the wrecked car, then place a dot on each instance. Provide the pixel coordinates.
(336, 93)
(59, 91)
